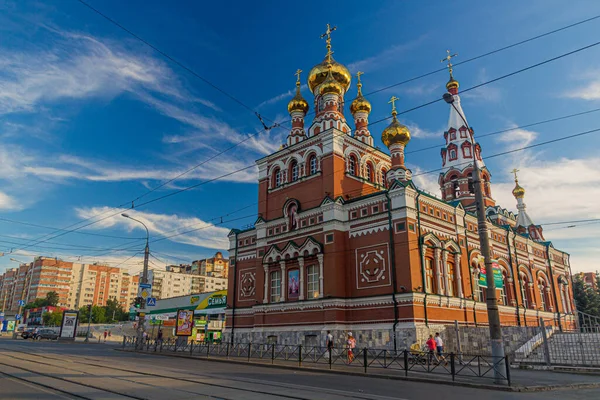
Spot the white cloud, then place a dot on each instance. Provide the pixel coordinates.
(204, 234)
(516, 138)
(283, 96)
(8, 203)
(390, 54)
(487, 93)
(422, 89)
(590, 90)
(421, 133)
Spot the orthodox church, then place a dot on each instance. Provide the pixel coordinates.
(345, 241)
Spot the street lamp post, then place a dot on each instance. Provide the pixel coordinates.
(484, 241)
(141, 320)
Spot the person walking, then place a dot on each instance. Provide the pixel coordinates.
(351, 346)
(439, 345)
(329, 344)
(105, 335)
(159, 336)
(431, 347)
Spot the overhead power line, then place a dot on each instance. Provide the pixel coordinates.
(372, 123)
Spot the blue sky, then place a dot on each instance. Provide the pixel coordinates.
(90, 118)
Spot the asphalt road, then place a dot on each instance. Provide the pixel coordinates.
(96, 371)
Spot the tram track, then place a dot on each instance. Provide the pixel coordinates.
(43, 359)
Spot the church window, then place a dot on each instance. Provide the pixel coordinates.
(451, 282)
(270, 232)
(400, 227)
(445, 217)
(275, 286)
(383, 172)
(329, 238)
(369, 171)
(467, 151)
(295, 171)
(312, 282)
(524, 291)
(320, 218)
(411, 227)
(276, 231)
(277, 175)
(453, 135)
(353, 215)
(311, 221)
(429, 276)
(303, 223)
(452, 154)
(364, 212)
(430, 211)
(375, 209)
(463, 132)
(352, 165)
(313, 164)
(437, 213)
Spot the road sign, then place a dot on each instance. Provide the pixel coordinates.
(145, 293)
(18, 317)
(21, 302)
(151, 301)
(145, 285)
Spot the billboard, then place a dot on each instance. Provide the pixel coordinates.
(68, 327)
(185, 322)
(498, 278)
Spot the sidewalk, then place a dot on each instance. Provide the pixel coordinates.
(521, 380)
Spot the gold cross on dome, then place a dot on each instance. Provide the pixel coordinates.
(298, 72)
(448, 59)
(358, 74)
(327, 35)
(393, 102)
(514, 171)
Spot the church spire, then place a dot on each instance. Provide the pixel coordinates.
(524, 222)
(460, 151)
(396, 136)
(360, 109)
(297, 107)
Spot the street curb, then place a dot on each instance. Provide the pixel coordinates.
(379, 376)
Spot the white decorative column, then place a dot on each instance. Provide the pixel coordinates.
(438, 269)
(266, 295)
(320, 258)
(424, 267)
(301, 265)
(283, 280)
(445, 272)
(459, 287)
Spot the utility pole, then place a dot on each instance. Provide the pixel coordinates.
(144, 280)
(87, 335)
(484, 242)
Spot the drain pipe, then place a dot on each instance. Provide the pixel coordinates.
(512, 270)
(420, 242)
(235, 279)
(553, 287)
(393, 263)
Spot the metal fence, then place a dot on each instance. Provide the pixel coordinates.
(578, 347)
(368, 361)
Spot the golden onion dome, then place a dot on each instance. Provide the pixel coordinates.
(518, 191)
(298, 103)
(330, 84)
(395, 133)
(452, 83)
(318, 74)
(360, 103)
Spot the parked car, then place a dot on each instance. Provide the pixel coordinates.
(28, 333)
(46, 334)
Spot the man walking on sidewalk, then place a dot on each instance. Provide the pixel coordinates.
(439, 344)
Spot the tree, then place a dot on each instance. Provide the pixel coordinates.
(35, 304)
(98, 315)
(114, 312)
(84, 315)
(586, 298)
(52, 318)
(52, 299)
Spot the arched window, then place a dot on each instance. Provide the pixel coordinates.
(525, 290)
(369, 171)
(312, 282)
(312, 162)
(544, 294)
(294, 171)
(478, 291)
(452, 154)
(471, 184)
(503, 291)
(430, 286)
(383, 180)
(277, 177)
(352, 165)
(451, 282)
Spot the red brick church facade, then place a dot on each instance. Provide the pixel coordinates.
(346, 242)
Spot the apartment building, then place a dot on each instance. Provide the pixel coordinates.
(217, 266)
(95, 284)
(172, 283)
(7, 288)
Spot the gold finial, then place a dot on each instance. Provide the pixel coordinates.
(514, 171)
(448, 59)
(327, 34)
(298, 72)
(358, 83)
(393, 103)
